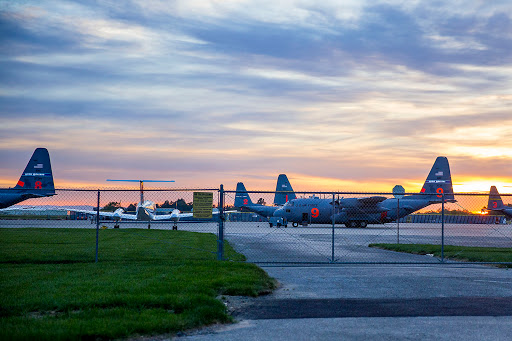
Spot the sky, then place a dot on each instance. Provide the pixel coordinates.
(339, 95)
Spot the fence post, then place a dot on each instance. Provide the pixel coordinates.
(442, 230)
(398, 220)
(333, 222)
(220, 237)
(97, 226)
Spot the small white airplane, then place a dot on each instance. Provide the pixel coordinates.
(146, 210)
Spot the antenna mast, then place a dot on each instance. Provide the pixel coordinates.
(141, 186)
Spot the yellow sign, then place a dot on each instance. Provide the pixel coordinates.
(202, 205)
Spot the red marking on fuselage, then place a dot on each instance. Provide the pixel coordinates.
(315, 212)
(383, 215)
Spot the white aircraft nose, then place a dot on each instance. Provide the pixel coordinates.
(175, 215)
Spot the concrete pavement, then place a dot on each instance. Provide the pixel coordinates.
(385, 302)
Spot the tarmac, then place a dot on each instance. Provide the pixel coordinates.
(384, 302)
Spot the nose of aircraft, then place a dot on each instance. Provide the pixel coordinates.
(279, 213)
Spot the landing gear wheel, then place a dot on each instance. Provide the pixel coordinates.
(363, 224)
(295, 224)
(149, 226)
(353, 224)
(116, 226)
(175, 227)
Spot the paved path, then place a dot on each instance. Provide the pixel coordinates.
(354, 302)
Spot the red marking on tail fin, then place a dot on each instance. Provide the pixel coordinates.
(440, 191)
(21, 183)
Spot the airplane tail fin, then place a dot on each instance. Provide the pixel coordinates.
(242, 198)
(495, 202)
(439, 181)
(38, 175)
(284, 190)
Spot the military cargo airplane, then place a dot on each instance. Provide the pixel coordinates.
(359, 212)
(284, 193)
(35, 182)
(496, 204)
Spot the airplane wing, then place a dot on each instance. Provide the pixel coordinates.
(122, 215)
(104, 214)
(17, 208)
(370, 200)
(172, 216)
(177, 216)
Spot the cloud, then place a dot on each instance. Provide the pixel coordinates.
(365, 92)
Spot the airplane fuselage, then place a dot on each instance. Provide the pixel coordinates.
(505, 211)
(348, 211)
(10, 197)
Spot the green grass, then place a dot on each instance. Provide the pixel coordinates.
(461, 253)
(146, 282)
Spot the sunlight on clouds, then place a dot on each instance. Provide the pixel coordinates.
(316, 183)
(503, 70)
(452, 43)
(482, 185)
(295, 76)
(486, 102)
(482, 152)
(491, 133)
(97, 29)
(480, 142)
(397, 77)
(147, 40)
(303, 134)
(394, 77)
(298, 13)
(110, 30)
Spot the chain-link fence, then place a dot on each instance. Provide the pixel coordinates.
(68, 227)
(314, 228)
(340, 227)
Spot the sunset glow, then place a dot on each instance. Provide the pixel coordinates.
(341, 96)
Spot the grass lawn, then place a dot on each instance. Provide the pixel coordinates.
(461, 253)
(146, 282)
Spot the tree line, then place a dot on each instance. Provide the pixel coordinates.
(180, 204)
